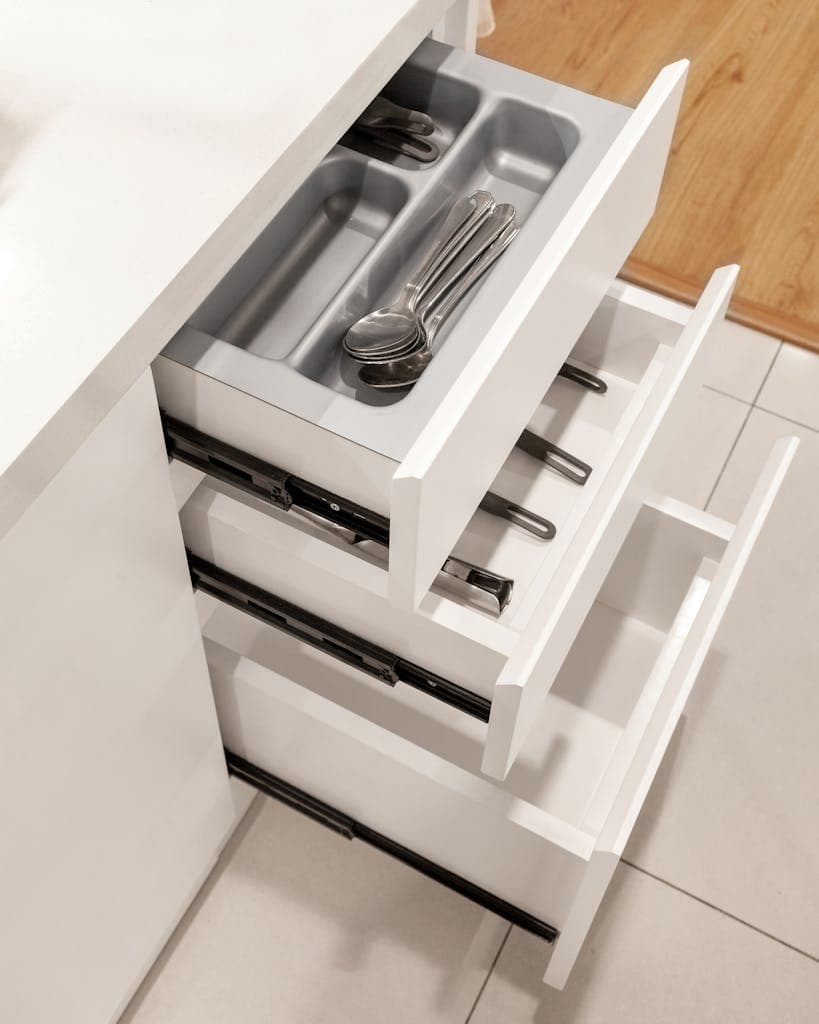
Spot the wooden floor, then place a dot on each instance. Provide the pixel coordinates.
(741, 184)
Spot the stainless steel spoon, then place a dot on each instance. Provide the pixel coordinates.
(399, 373)
(488, 232)
(391, 329)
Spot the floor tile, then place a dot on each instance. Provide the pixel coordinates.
(737, 358)
(655, 956)
(706, 425)
(299, 926)
(792, 388)
(732, 815)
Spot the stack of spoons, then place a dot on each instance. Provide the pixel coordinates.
(394, 343)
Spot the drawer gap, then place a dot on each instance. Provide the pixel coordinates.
(343, 824)
(339, 643)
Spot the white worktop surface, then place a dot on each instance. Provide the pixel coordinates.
(142, 147)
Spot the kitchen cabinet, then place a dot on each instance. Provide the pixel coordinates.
(354, 681)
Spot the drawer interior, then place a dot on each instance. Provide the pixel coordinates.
(346, 242)
(626, 345)
(591, 721)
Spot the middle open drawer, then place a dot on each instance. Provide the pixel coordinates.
(497, 668)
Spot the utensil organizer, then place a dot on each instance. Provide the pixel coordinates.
(260, 363)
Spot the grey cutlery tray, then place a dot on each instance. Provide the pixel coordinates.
(350, 236)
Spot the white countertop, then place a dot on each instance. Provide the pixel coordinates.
(142, 147)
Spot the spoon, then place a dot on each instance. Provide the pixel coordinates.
(392, 329)
(399, 373)
(492, 226)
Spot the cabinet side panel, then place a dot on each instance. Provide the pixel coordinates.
(113, 793)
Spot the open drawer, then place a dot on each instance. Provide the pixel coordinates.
(403, 772)
(260, 364)
(499, 668)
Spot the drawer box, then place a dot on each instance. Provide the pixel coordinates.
(642, 347)
(545, 841)
(259, 365)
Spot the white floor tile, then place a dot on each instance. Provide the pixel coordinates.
(792, 389)
(299, 926)
(737, 358)
(732, 816)
(655, 956)
(706, 424)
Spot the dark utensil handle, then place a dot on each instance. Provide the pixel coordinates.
(561, 461)
(497, 505)
(583, 377)
(498, 587)
(491, 583)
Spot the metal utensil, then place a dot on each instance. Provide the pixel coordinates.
(393, 331)
(488, 233)
(402, 372)
(392, 326)
(407, 144)
(384, 113)
(583, 378)
(559, 459)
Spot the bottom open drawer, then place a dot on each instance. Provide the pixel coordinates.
(547, 839)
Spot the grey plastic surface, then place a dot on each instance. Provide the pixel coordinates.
(349, 238)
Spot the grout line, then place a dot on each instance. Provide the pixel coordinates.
(727, 459)
(787, 419)
(767, 374)
(726, 394)
(751, 408)
(488, 975)
(719, 910)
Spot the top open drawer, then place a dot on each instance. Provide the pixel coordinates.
(260, 364)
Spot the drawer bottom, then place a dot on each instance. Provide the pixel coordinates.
(349, 828)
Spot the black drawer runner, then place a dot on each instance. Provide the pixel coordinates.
(326, 636)
(285, 491)
(348, 827)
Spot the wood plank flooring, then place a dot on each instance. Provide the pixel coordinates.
(741, 184)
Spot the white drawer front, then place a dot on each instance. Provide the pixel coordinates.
(426, 460)
(548, 838)
(643, 356)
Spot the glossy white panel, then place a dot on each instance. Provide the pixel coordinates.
(113, 793)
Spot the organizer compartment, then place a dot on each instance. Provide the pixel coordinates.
(283, 283)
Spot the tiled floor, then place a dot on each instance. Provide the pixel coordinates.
(714, 916)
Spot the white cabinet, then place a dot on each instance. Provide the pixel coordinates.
(513, 749)
(114, 798)
(513, 745)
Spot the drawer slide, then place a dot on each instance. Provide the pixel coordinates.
(348, 827)
(340, 643)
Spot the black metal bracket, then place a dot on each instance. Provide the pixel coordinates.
(326, 636)
(558, 459)
(583, 378)
(268, 482)
(348, 827)
(284, 490)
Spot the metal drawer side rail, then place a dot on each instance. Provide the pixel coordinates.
(326, 636)
(286, 491)
(348, 827)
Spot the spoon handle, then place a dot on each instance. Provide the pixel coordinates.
(488, 232)
(459, 214)
(466, 280)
